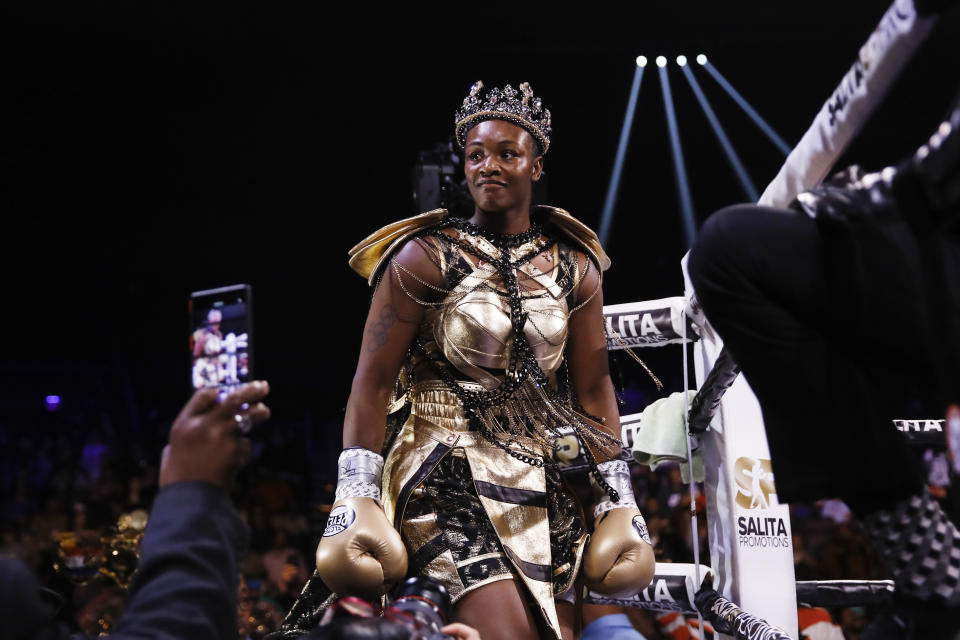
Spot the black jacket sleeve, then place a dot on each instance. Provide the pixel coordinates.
(186, 584)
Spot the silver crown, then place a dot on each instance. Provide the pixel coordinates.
(522, 109)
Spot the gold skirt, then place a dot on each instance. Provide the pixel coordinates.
(436, 449)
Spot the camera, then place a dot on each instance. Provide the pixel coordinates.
(418, 613)
(438, 181)
(427, 604)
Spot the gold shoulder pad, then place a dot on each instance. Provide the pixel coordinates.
(367, 257)
(580, 233)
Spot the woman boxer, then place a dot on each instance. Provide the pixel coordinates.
(493, 326)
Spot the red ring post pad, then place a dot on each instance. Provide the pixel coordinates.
(650, 323)
(672, 589)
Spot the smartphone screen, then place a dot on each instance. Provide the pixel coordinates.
(221, 337)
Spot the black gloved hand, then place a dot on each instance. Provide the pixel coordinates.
(927, 185)
(923, 190)
(851, 195)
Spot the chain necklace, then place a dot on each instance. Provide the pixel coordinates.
(499, 240)
(522, 363)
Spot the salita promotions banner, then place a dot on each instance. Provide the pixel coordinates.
(923, 432)
(645, 324)
(751, 547)
(672, 589)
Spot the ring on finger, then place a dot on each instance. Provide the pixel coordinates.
(244, 423)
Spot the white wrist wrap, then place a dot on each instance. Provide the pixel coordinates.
(617, 475)
(358, 474)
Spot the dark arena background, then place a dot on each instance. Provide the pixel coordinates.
(153, 149)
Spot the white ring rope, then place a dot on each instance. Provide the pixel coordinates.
(900, 33)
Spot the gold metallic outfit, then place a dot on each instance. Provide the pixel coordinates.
(469, 331)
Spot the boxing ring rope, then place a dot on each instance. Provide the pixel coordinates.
(694, 528)
(900, 33)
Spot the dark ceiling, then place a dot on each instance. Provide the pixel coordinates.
(150, 149)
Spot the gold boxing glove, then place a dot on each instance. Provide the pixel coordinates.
(360, 553)
(618, 560)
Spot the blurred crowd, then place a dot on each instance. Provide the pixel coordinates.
(66, 475)
(63, 476)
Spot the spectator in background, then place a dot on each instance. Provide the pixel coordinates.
(186, 585)
(816, 623)
(608, 622)
(286, 571)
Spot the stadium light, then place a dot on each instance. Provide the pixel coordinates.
(679, 166)
(613, 189)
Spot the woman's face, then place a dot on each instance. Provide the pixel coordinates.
(501, 165)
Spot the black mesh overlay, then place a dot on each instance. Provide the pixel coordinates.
(450, 494)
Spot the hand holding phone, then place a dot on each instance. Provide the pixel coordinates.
(204, 444)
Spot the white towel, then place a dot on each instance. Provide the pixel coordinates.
(662, 436)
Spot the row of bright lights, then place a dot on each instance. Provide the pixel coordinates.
(662, 61)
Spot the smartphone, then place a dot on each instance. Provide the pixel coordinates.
(221, 337)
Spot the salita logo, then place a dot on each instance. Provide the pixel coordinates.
(762, 532)
(754, 483)
(755, 491)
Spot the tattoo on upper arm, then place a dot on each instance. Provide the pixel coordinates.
(378, 330)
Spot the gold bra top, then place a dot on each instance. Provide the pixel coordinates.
(468, 335)
(472, 326)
